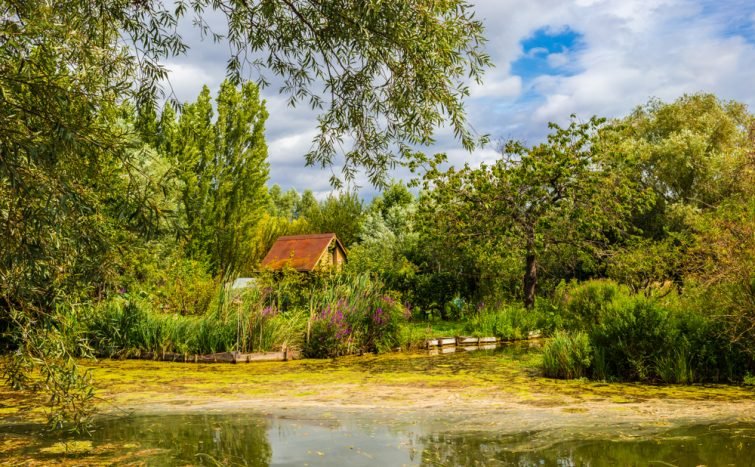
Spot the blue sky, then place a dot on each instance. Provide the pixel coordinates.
(542, 44)
(552, 58)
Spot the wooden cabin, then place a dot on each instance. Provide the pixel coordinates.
(306, 253)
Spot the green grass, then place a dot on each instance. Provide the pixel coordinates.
(567, 355)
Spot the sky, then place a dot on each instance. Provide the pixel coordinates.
(553, 58)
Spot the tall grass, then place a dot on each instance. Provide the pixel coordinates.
(567, 355)
(676, 367)
(240, 323)
(345, 314)
(508, 323)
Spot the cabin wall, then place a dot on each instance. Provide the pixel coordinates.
(338, 258)
(333, 259)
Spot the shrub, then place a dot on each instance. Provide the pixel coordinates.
(583, 304)
(567, 355)
(666, 337)
(353, 314)
(632, 334)
(171, 282)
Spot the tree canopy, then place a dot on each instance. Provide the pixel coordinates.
(566, 191)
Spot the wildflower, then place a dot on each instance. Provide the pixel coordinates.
(380, 317)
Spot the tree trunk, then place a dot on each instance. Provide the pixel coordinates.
(530, 280)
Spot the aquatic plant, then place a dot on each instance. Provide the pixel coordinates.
(243, 323)
(567, 355)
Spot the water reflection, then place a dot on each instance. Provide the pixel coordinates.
(688, 446)
(354, 440)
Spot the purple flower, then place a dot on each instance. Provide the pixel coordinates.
(269, 311)
(380, 317)
(389, 300)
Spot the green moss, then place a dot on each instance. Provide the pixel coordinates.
(69, 447)
(405, 380)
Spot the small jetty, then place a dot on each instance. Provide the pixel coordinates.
(442, 345)
(220, 357)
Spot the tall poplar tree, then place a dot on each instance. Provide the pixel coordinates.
(222, 165)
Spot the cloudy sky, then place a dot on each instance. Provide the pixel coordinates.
(552, 58)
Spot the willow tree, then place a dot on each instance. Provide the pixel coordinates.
(383, 76)
(567, 190)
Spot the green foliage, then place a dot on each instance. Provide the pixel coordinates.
(691, 150)
(161, 273)
(387, 240)
(124, 326)
(632, 335)
(285, 205)
(567, 355)
(658, 338)
(339, 214)
(584, 305)
(222, 167)
(564, 191)
(509, 322)
(722, 265)
(353, 314)
(44, 361)
(430, 49)
(676, 367)
(643, 264)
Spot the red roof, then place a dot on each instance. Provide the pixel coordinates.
(301, 252)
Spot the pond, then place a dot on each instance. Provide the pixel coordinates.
(252, 438)
(466, 408)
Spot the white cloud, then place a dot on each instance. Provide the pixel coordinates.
(558, 60)
(186, 80)
(497, 86)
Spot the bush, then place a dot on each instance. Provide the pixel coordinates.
(567, 356)
(583, 303)
(353, 314)
(632, 333)
(669, 338)
(173, 283)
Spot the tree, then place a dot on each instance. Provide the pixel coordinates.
(340, 214)
(387, 236)
(283, 204)
(693, 155)
(222, 166)
(305, 203)
(564, 191)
